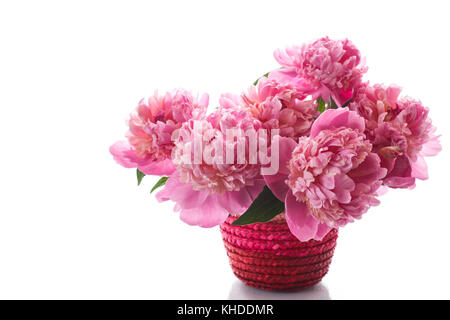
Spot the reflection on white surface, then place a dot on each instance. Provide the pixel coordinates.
(239, 291)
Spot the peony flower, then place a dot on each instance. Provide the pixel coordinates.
(322, 68)
(328, 179)
(216, 175)
(151, 126)
(280, 106)
(207, 191)
(373, 102)
(400, 130)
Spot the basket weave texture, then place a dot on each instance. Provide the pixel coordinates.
(269, 257)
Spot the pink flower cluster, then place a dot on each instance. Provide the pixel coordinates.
(215, 175)
(332, 175)
(280, 106)
(332, 163)
(399, 129)
(322, 68)
(151, 126)
(205, 193)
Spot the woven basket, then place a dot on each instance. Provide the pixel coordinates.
(267, 256)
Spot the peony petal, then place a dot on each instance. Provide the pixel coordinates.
(399, 182)
(343, 188)
(300, 221)
(286, 147)
(198, 208)
(181, 193)
(229, 100)
(124, 154)
(290, 76)
(336, 118)
(419, 169)
(206, 209)
(204, 100)
(256, 189)
(283, 58)
(369, 170)
(341, 96)
(402, 167)
(388, 155)
(171, 186)
(276, 182)
(237, 202)
(322, 231)
(382, 190)
(327, 181)
(208, 215)
(401, 175)
(432, 147)
(158, 168)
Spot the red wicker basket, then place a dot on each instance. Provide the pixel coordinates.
(267, 256)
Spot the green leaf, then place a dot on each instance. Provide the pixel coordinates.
(347, 103)
(320, 105)
(265, 75)
(140, 175)
(333, 104)
(160, 183)
(265, 207)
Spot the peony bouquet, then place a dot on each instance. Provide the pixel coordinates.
(308, 148)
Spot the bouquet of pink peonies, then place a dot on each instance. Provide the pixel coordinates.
(308, 148)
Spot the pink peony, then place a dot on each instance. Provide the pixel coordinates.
(373, 102)
(332, 176)
(150, 144)
(322, 68)
(216, 176)
(207, 191)
(400, 131)
(280, 106)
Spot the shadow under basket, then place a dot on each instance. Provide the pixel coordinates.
(269, 257)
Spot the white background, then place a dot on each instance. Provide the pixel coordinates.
(73, 223)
